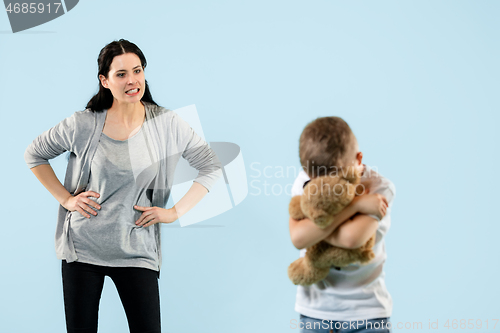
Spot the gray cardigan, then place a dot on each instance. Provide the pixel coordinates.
(79, 134)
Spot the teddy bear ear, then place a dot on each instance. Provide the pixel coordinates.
(321, 198)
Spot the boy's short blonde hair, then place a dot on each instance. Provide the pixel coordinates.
(324, 145)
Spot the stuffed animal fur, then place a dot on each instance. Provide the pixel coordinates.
(323, 198)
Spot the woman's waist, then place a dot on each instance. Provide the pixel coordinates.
(101, 226)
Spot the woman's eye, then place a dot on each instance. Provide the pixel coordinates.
(120, 74)
(138, 70)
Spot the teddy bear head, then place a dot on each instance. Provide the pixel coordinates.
(326, 196)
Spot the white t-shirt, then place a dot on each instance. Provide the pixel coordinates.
(356, 292)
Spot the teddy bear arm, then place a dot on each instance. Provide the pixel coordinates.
(295, 210)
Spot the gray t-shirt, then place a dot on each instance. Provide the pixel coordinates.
(121, 172)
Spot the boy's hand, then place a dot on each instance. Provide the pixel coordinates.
(364, 186)
(375, 204)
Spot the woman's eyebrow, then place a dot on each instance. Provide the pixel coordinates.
(124, 70)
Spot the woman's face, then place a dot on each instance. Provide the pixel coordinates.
(125, 78)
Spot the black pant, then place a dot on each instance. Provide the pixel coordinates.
(137, 287)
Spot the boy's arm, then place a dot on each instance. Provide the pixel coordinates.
(353, 233)
(305, 233)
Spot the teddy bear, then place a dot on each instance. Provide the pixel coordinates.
(323, 198)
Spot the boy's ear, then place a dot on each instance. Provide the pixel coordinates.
(359, 157)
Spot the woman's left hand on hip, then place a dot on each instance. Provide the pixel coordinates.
(153, 215)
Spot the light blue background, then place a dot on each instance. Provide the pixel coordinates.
(418, 82)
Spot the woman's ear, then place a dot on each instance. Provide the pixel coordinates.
(103, 80)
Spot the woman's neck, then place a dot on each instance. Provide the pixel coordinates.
(127, 113)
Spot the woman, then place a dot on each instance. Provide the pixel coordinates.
(123, 152)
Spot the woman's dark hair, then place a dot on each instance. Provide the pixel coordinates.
(104, 98)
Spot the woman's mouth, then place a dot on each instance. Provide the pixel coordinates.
(132, 92)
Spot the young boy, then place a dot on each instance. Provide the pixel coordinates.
(352, 298)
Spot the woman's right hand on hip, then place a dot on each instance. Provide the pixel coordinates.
(82, 203)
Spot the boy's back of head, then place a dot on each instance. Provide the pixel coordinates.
(326, 144)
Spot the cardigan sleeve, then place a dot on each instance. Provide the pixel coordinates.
(51, 143)
(197, 152)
